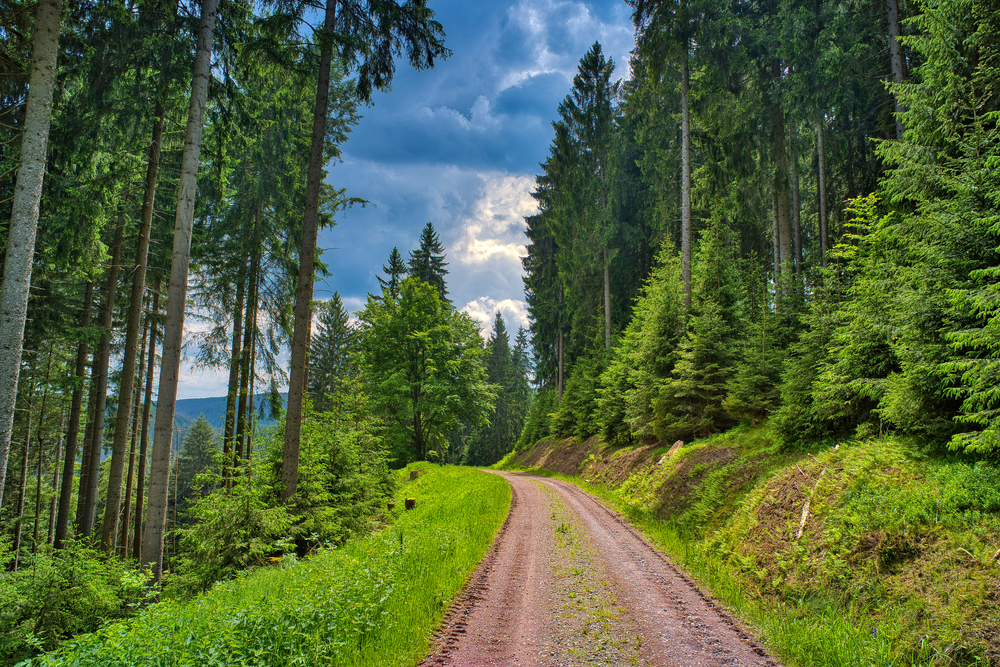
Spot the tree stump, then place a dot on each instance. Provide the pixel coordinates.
(414, 474)
(391, 505)
(410, 503)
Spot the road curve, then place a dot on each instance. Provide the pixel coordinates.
(568, 583)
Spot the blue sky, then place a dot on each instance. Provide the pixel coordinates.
(459, 146)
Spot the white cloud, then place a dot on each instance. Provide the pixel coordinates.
(495, 226)
(484, 309)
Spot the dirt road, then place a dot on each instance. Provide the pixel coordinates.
(567, 583)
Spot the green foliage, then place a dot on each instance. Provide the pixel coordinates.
(690, 403)
(491, 442)
(344, 481)
(644, 356)
(381, 595)
(577, 412)
(536, 424)
(56, 594)
(331, 366)
(199, 454)
(421, 363)
(426, 263)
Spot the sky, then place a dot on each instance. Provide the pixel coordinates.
(459, 146)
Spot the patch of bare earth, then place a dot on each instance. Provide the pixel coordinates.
(568, 583)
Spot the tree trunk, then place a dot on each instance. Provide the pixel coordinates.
(73, 434)
(22, 488)
(607, 303)
(24, 214)
(685, 179)
(307, 258)
(133, 325)
(232, 396)
(54, 504)
(130, 477)
(173, 329)
(140, 484)
(775, 242)
(88, 439)
(101, 382)
(779, 162)
(793, 177)
(41, 450)
(898, 64)
(821, 193)
(246, 402)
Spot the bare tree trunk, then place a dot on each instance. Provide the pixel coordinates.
(779, 162)
(793, 177)
(22, 488)
(776, 242)
(101, 382)
(559, 361)
(76, 407)
(54, 504)
(246, 366)
(88, 441)
(607, 303)
(307, 259)
(140, 484)
(24, 214)
(133, 327)
(173, 329)
(232, 395)
(898, 64)
(685, 179)
(130, 477)
(41, 450)
(821, 187)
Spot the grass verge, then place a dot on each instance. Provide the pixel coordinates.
(373, 602)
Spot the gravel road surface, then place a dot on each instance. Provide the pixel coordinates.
(568, 583)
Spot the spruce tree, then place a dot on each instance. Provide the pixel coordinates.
(427, 262)
(491, 442)
(396, 270)
(198, 454)
(330, 363)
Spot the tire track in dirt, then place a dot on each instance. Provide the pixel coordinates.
(517, 609)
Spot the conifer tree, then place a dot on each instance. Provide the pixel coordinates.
(396, 271)
(331, 365)
(427, 262)
(489, 443)
(198, 454)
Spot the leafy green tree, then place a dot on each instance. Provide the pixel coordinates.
(421, 362)
(427, 262)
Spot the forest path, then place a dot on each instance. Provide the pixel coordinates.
(568, 583)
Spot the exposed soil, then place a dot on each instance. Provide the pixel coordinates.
(568, 583)
(562, 456)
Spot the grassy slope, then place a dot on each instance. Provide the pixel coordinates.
(895, 565)
(373, 602)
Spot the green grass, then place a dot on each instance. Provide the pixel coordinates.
(373, 602)
(919, 597)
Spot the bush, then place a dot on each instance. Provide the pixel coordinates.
(55, 594)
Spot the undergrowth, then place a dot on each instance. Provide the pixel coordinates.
(895, 564)
(372, 602)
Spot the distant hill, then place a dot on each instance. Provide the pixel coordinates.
(214, 409)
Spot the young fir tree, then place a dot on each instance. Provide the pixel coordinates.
(330, 362)
(427, 262)
(396, 271)
(198, 454)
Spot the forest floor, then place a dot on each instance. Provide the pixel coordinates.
(569, 583)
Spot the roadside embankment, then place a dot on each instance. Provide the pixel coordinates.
(866, 553)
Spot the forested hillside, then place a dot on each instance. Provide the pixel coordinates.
(794, 215)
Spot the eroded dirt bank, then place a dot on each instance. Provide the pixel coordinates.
(568, 583)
